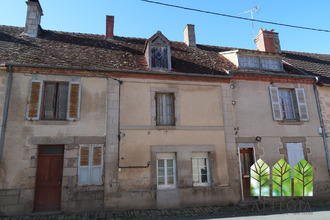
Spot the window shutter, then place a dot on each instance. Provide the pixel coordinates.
(34, 100)
(96, 168)
(295, 154)
(74, 96)
(275, 103)
(83, 172)
(302, 104)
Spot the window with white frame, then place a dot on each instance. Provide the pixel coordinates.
(90, 164)
(200, 169)
(271, 64)
(165, 109)
(166, 171)
(288, 104)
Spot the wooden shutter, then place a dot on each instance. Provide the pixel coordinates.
(74, 97)
(275, 103)
(302, 104)
(84, 165)
(96, 167)
(159, 57)
(34, 100)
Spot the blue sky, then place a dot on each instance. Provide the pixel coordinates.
(135, 18)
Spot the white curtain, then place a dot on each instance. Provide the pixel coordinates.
(295, 154)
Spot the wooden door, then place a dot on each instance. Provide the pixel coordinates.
(49, 178)
(246, 156)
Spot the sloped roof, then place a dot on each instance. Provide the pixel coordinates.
(94, 51)
(311, 63)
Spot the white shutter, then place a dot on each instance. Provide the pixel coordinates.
(295, 154)
(34, 100)
(74, 96)
(302, 104)
(275, 103)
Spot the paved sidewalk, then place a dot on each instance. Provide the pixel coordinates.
(241, 210)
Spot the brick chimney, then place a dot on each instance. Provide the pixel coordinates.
(109, 27)
(33, 18)
(268, 41)
(189, 35)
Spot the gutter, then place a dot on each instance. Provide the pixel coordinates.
(119, 70)
(322, 125)
(270, 74)
(5, 111)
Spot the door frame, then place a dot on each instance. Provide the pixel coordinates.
(38, 170)
(239, 147)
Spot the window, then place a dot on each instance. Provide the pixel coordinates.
(53, 100)
(200, 168)
(159, 58)
(295, 154)
(288, 104)
(158, 52)
(166, 176)
(90, 164)
(286, 101)
(257, 62)
(165, 109)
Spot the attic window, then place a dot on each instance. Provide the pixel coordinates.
(158, 52)
(259, 63)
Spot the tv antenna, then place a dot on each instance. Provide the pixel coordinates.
(255, 9)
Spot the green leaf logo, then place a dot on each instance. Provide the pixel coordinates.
(281, 179)
(259, 179)
(303, 179)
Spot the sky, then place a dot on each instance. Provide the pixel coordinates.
(135, 18)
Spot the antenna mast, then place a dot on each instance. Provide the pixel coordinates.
(255, 9)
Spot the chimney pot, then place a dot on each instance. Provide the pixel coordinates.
(33, 18)
(268, 41)
(189, 35)
(109, 27)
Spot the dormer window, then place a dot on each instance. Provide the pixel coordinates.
(259, 63)
(158, 52)
(254, 60)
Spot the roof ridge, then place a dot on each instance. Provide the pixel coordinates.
(292, 51)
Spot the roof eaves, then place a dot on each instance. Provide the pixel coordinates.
(119, 70)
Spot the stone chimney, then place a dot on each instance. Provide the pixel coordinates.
(268, 41)
(189, 35)
(33, 18)
(109, 27)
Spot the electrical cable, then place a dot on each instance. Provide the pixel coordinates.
(237, 17)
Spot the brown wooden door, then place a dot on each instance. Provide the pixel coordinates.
(246, 162)
(49, 178)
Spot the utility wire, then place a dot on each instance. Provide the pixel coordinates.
(237, 17)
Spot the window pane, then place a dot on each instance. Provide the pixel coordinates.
(161, 171)
(286, 101)
(49, 100)
(160, 163)
(161, 180)
(195, 178)
(169, 163)
(170, 171)
(62, 101)
(51, 150)
(170, 180)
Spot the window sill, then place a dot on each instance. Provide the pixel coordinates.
(50, 122)
(164, 127)
(290, 122)
(201, 185)
(166, 188)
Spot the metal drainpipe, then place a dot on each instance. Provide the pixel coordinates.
(148, 163)
(5, 112)
(322, 124)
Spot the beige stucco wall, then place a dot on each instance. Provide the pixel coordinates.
(253, 117)
(199, 125)
(19, 160)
